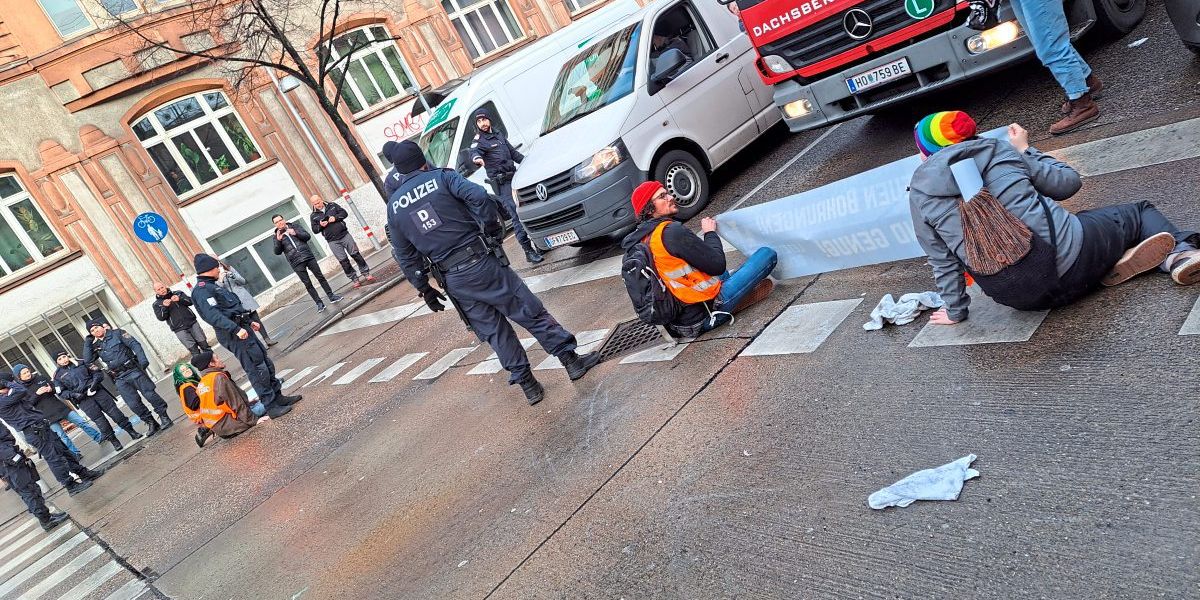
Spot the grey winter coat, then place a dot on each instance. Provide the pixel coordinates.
(235, 283)
(1018, 180)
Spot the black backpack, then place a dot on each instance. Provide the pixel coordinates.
(651, 299)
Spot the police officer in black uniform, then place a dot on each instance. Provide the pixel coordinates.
(22, 477)
(223, 310)
(436, 215)
(81, 385)
(125, 359)
(491, 150)
(18, 410)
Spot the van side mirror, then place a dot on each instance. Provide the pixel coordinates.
(667, 66)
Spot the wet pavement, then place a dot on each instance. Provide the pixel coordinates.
(717, 471)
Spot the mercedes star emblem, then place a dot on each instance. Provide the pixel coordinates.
(541, 192)
(857, 23)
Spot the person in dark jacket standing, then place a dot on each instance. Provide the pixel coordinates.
(53, 407)
(22, 476)
(18, 410)
(125, 359)
(438, 219)
(694, 267)
(82, 385)
(492, 151)
(175, 308)
(292, 242)
(233, 281)
(329, 220)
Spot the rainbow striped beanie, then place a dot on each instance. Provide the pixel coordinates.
(942, 129)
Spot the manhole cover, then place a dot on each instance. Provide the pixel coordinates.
(629, 337)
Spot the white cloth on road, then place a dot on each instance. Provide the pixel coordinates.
(940, 483)
(902, 312)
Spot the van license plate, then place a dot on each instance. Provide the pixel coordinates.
(879, 75)
(562, 239)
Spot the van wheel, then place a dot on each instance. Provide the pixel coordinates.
(685, 178)
(1118, 17)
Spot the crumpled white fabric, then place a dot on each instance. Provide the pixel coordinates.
(904, 311)
(940, 483)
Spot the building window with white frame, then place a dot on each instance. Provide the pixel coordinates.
(577, 5)
(67, 16)
(485, 26)
(26, 239)
(374, 67)
(197, 141)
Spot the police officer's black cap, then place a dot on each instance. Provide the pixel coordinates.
(60, 353)
(481, 114)
(203, 360)
(407, 157)
(205, 263)
(95, 323)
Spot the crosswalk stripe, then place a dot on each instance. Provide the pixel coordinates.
(398, 367)
(129, 591)
(387, 315)
(62, 574)
(358, 371)
(297, 378)
(444, 363)
(1192, 325)
(17, 545)
(41, 563)
(990, 323)
(587, 341)
(94, 581)
(326, 374)
(660, 353)
(33, 550)
(14, 533)
(492, 364)
(801, 328)
(280, 375)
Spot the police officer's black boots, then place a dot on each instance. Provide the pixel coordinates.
(152, 425)
(577, 366)
(531, 253)
(90, 474)
(165, 420)
(53, 520)
(115, 443)
(534, 392)
(78, 486)
(202, 435)
(133, 434)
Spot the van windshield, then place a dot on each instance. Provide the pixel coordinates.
(598, 76)
(438, 143)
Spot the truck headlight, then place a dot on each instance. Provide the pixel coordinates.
(603, 161)
(798, 108)
(777, 64)
(993, 38)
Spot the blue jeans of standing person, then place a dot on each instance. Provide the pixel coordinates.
(1046, 25)
(80, 422)
(737, 284)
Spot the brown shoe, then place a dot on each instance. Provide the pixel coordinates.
(1186, 268)
(1143, 257)
(1083, 111)
(1095, 87)
(756, 295)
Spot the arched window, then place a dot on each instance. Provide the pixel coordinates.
(197, 141)
(375, 69)
(26, 239)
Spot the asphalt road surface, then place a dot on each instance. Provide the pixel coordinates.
(734, 466)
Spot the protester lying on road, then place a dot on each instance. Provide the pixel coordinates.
(214, 402)
(686, 264)
(1068, 256)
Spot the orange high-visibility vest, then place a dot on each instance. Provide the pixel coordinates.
(192, 415)
(210, 412)
(686, 283)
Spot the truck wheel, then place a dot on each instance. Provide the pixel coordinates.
(685, 178)
(1119, 17)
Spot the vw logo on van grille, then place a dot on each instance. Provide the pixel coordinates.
(857, 23)
(541, 192)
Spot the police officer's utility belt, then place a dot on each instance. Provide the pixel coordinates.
(464, 256)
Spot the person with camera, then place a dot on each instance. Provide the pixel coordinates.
(233, 324)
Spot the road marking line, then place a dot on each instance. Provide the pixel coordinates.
(291, 381)
(33, 550)
(14, 533)
(444, 363)
(62, 574)
(1134, 150)
(1190, 327)
(587, 341)
(29, 537)
(660, 353)
(281, 374)
(326, 374)
(387, 315)
(785, 166)
(42, 563)
(97, 579)
(801, 328)
(129, 591)
(492, 365)
(358, 371)
(990, 323)
(398, 367)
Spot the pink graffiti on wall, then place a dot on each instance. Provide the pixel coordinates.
(404, 127)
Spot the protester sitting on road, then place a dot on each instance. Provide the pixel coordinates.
(693, 268)
(291, 241)
(234, 282)
(175, 308)
(220, 405)
(55, 410)
(186, 379)
(1104, 246)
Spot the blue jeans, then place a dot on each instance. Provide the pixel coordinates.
(735, 285)
(57, 427)
(1045, 24)
(81, 422)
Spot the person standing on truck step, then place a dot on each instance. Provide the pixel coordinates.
(444, 225)
(329, 220)
(492, 151)
(292, 242)
(1046, 25)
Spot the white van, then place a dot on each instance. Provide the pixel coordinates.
(669, 93)
(514, 90)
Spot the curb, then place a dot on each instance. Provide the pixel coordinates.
(312, 331)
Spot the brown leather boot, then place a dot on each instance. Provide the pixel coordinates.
(1083, 111)
(1095, 87)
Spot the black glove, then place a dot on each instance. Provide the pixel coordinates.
(433, 299)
